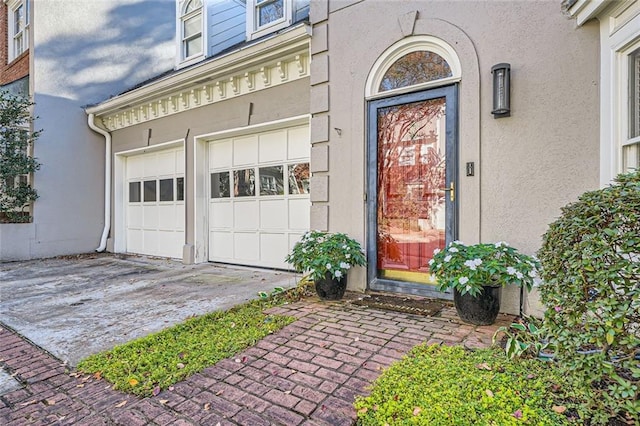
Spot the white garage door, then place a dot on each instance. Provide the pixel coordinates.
(259, 196)
(155, 203)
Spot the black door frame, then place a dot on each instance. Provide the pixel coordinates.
(450, 93)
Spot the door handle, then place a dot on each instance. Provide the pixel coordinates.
(452, 191)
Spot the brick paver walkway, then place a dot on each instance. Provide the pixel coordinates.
(306, 374)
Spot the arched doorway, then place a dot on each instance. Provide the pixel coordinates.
(412, 149)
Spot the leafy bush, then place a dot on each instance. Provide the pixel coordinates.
(442, 385)
(591, 272)
(523, 338)
(16, 194)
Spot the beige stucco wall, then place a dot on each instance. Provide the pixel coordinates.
(526, 166)
(264, 106)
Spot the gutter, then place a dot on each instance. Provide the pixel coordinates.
(107, 181)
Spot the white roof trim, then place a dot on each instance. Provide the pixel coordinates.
(585, 10)
(266, 63)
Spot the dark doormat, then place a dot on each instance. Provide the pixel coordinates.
(409, 305)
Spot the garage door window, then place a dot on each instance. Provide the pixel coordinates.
(244, 182)
(134, 192)
(220, 187)
(166, 189)
(149, 190)
(299, 178)
(180, 189)
(271, 180)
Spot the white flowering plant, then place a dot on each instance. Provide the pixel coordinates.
(469, 268)
(319, 253)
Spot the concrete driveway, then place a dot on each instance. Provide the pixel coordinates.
(77, 306)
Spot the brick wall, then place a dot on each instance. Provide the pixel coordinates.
(19, 67)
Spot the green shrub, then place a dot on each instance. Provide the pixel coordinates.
(591, 270)
(524, 338)
(442, 385)
(16, 193)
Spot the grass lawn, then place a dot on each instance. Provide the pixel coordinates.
(442, 385)
(147, 365)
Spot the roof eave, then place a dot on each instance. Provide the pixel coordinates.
(295, 38)
(585, 10)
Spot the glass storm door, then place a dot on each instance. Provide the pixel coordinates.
(411, 187)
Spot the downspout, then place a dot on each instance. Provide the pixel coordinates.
(107, 181)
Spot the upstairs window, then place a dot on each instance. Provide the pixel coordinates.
(191, 25)
(266, 16)
(18, 28)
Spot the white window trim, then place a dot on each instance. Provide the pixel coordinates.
(623, 92)
(12, 6)
(402, 48)
(253, 31)
(181, 61)
(614, 93)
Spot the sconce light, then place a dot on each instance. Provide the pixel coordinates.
(501, 88)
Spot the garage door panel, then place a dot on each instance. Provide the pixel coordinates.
(298, 143)
(246, 246)
(134, 217)
(178, 243)
(245, 150)
(167, 241)
(245, 215)
(221, 215)
(220, 154)
(134, 240)
(299, 214)
(293, 239)
(150, 242)
(166, 217)
(150, 165)
(180, 217)
(166, 163)
(273, 146)
(135, 168)
(150, 216)
(273, 248)
(179, 162)
(273, 214)
(221, 245)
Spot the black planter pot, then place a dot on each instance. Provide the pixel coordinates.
(331, 288)
(480, 310)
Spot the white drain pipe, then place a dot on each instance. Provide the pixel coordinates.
(107, 182)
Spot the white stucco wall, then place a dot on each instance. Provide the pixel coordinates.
(82, 52)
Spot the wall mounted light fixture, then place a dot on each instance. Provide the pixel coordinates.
(501, 88)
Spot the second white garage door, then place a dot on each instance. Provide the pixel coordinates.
(259, 196)
(155, 203)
